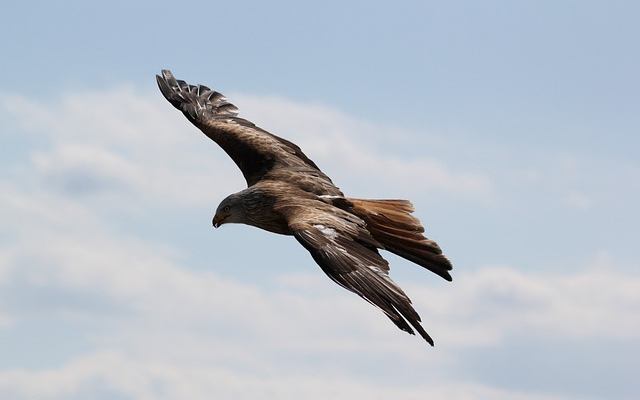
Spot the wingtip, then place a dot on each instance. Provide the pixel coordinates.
(193, 100)
(424, 335)
(164, 83)
(165, 73)
(162, 75)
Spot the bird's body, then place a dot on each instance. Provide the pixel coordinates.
(288, 194)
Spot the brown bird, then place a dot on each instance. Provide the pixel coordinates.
(288, 194)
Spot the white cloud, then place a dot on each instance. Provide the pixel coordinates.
(197, 333)
(157, 327)
(496, 303)
(478, 309)
(358, 151)
(100, 143)
(119, 138)
(113, 373)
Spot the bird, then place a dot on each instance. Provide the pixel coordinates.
(288, 194)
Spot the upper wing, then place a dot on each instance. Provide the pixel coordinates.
(347, 253)
(255, 151)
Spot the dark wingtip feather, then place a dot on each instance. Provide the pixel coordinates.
(193, 100)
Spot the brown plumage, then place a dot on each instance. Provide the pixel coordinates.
(288, 194)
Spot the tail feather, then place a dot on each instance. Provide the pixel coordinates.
(390, 222)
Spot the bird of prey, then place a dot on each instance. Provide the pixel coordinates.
(288, 194)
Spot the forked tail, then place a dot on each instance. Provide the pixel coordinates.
(390, 222)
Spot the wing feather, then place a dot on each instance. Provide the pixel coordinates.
(348, 254)
(258, 153)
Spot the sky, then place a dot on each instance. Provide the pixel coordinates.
(513, 127)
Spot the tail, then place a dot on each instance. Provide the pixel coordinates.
(390, 222)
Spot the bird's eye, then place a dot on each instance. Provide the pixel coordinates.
(226, 209)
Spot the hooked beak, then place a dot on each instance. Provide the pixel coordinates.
(217, 221)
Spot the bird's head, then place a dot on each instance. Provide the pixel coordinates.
(230, 210)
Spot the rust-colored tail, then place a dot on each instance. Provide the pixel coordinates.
(391, 223)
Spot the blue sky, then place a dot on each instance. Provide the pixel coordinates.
(512, 126)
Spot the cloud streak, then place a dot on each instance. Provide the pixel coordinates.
(149, 324)
(355, 148)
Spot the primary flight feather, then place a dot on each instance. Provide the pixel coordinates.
(288, 194)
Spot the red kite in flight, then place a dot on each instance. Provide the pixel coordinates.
(288, 194)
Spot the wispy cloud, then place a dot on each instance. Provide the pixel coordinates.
(355, 149)
(117, 141)
(501, 303)
(114, 374)
(154, 326)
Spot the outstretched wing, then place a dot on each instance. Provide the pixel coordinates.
(347, 253)
(257, 153)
